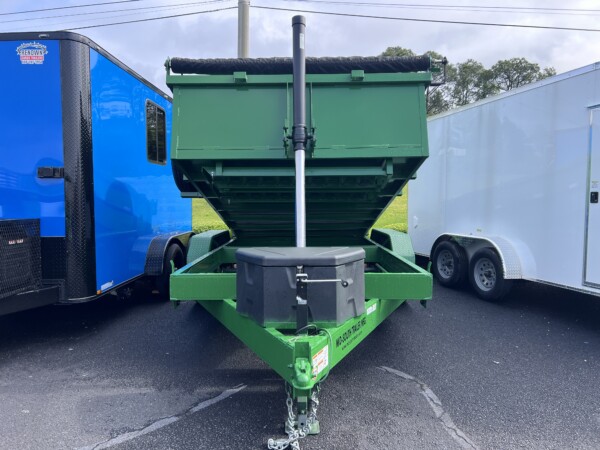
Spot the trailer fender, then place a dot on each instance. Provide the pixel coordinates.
(397, 242)
(158, 247)
(512, 256)
(201, 244)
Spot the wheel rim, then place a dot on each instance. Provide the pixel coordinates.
(445, 264)
(485, 274)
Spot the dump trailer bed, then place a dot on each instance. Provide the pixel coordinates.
(231, 140)
(233, 145)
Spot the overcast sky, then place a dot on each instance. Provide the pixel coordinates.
(145, 46)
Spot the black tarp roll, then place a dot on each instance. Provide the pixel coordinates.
(283, 66)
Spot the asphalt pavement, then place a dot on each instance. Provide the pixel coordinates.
(461, 373)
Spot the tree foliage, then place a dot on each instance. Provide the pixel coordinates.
(511, 73)
(470, 81)
(398, 51)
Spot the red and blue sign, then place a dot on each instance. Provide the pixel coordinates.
(32, 53)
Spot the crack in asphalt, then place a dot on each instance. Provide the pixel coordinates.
(456, 433)
(164, 421)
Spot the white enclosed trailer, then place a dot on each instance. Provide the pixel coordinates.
(510, 190)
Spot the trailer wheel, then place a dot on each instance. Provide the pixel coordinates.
(174, 253)
(487, 275)
(449, 263)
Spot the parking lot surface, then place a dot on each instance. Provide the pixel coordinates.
(460, 373)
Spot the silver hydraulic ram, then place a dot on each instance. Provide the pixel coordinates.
(299, 135)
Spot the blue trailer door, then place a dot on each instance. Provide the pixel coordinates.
(31, 135)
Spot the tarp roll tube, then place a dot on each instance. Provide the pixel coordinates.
(283, 66)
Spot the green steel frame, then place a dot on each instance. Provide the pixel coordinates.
(302, 360)
(231, 141)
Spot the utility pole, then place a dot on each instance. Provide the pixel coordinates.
(243, 28)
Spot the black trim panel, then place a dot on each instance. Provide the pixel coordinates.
(29, 300)
(54, 258)
(79, 188)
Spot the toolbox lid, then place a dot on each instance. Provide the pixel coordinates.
(294, 256)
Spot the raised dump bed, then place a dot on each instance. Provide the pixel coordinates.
(232, 141)
(303, 309)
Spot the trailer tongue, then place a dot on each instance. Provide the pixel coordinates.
(358, 135)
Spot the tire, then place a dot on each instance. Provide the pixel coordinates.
(487, 275)
(449, 264)
(174, 253)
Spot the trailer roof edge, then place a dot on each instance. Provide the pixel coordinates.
(538, 84)
(71, 36)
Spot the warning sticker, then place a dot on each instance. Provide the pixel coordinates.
(320, 361)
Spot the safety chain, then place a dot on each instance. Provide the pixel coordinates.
(294, 435)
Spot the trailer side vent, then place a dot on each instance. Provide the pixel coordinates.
(20, 257)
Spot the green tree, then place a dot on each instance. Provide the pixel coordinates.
(469, 83)
(438, 97)
(436, 100)
(511, 73)
(398, 51)
(548, 72)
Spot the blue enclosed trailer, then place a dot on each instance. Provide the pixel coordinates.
(87, 198)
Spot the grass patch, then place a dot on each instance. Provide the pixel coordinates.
(396, 215)
(204, 218)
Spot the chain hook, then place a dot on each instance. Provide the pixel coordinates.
(294, 435)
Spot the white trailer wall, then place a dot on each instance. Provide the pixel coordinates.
(515, 166)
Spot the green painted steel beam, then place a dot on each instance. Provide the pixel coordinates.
(370, 78)
(233, 153)
(209, 286)
(269, 344)
(379, 152)
(322, 351)
(397, 279)
(203, 286)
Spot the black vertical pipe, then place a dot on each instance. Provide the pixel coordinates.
(299, 127)
(299, 130)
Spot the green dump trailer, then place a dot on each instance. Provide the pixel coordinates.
(301, 308)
